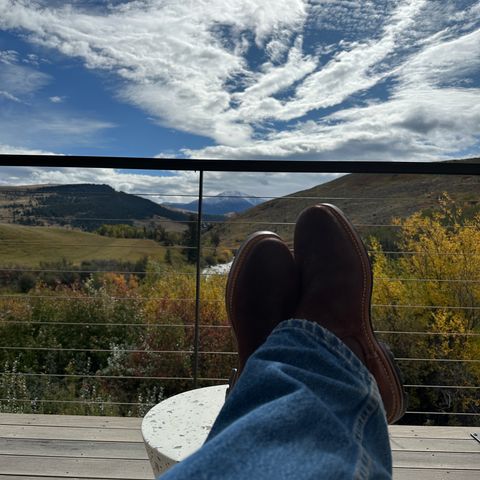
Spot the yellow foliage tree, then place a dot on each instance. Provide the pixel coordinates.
(430, 289)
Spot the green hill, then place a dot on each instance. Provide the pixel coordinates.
(28, 246)
(369, 200)
(83, 206)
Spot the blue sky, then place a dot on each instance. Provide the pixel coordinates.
(287, 79)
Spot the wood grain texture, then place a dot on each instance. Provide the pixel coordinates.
(71, 433)
(56, 447)
(76, 467)
(73, 448)
(70, 421)
(429, 474)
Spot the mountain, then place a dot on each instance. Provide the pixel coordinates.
(221, 204)
(369, 200)
(84, 206)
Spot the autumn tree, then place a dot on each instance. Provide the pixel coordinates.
(429, 288)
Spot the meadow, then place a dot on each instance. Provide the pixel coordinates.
(116, 343)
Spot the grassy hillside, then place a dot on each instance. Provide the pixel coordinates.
(28, 246)
(367, 199)
(84, 206)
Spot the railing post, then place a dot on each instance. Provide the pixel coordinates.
(196, 342)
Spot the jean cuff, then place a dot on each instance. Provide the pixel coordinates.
(328, 340)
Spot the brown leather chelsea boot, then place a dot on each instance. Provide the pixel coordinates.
(262, 291)
(336, 285)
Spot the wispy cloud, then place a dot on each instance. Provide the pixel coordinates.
(9, 96)
(281, 78)
(47, 129)
(19, 80)
(11, 150)
(57, 99)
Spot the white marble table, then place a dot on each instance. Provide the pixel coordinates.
(178, 426)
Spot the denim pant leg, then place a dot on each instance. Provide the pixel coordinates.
(305, 407)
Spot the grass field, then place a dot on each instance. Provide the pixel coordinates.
(28, 246)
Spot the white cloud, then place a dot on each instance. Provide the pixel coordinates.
(9, 149)
(8, 56)
(39, 128)
(9, 96)
(57, 99)
(21, 81)
(444, 62)
(400, 80)
(414, 125)
(177, 69)
(162, 188)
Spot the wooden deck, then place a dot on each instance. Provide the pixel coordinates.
(48, 447)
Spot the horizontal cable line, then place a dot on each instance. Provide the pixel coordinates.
(212, 222)
(207, 247)
(106, 297)
(96, 350)
(56, 297)
(92, 297)
(82, 402)
(106, 324)
(443, 413)
(402, 252)
(59, 270)
(450, 387)
(94, 219)
(195, 195)
(234, 222)
(190, 352)
(459, 334)
(437, 360)
(433, 254)
(120, 272)
(449, 307)
(266, 197)
(165, 274)
(75, 375)
(119, 350)
(423, 280)
(175, 325)
(108, 377)
(96, 245)
(66, 297)
(205, 220)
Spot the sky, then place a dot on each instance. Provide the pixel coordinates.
(395, 80)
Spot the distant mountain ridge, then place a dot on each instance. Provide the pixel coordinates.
(369, 200)
(221, 204)
(85, 206)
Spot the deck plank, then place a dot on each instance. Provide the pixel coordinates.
(41, 477)
(76, 467)
(432, 432)
(442, 460)
(433, 444)
(70, 421)
(431, 474)
(73, 448)
(71, 433)
(56, 447)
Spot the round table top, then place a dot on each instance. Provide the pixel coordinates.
(179, 425)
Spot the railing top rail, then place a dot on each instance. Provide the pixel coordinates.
(470, 167)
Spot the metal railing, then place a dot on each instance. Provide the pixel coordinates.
(196, 326)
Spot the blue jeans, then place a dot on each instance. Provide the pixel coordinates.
(305, 407)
